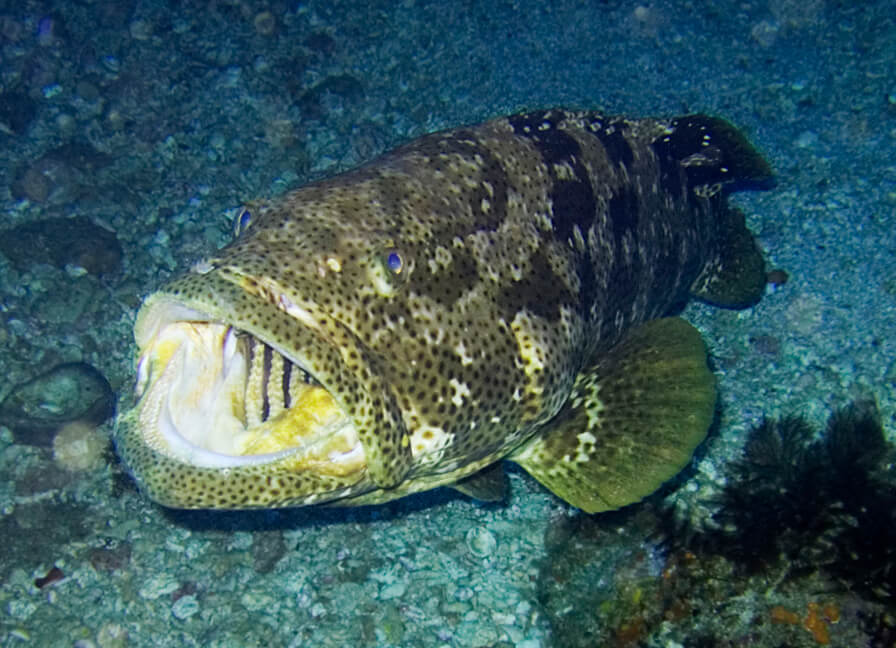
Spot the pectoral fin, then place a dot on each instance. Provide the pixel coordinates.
(632, 421)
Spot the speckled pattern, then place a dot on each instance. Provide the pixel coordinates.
(186, 111)
(450, 293)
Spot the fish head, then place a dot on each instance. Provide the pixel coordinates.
(254, 387)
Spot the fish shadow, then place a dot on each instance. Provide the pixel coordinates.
(290, 519)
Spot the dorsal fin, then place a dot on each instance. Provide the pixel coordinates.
(712, 151)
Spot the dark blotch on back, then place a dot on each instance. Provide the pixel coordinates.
(448, 284)
(553, 144)
(573, 200)
(573, 204)
(538, 291)
(612, 137)
(623, 212)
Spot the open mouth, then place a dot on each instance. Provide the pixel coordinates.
(214, 396)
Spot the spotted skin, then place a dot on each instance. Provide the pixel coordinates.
(528, 246)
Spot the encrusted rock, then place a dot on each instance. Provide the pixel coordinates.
(64, 242)
(70, 392)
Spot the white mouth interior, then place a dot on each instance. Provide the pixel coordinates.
(214, 397)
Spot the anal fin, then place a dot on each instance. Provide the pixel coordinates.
(735, 276)
(632, 421)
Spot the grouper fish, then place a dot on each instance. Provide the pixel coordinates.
(498, 291)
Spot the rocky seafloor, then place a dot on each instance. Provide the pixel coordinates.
(132, 132)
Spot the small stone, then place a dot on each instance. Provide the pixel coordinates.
(463, 594)
(140, 30)
(765, 33)
(115, 120)
(68, 393)
(87, 91)
(268, 547)
(395, 590)
(61, 242)
(79, 447)
(185, 607)
(265, 23)
(257, 601)
(806, 139)
(112, 635)
(481, 542)
(20, 609)
(529, 643)
(66, 124)
(52, 90)
(17, 111)
(158, 586)
(111, 63)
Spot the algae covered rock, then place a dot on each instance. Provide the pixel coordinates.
(69, 392)
(76, 242)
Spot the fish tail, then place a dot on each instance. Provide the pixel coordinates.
(717, 159)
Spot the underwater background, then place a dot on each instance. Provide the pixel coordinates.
(132, 132)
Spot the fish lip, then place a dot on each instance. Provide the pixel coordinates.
(168, 310)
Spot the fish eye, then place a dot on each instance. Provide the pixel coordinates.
(241, 222)
(394, 262)
(389, 271)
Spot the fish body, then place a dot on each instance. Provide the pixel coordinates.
(497, 291)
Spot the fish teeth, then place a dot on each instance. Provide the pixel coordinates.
(229, 350)
(256, 385)
(275, 393)
(272, 381)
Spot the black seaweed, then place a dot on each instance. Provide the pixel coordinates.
(820, 503)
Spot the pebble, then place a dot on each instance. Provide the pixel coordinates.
(481, 542)
(395, 590)
(257, 602)
(140, 30)
(463, 594)
(265, 23)
(529, 643)
(112, 635)
(20, 609)
(806, 139)
(158, 585)
(185, 607)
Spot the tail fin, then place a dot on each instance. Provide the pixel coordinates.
(717, 159)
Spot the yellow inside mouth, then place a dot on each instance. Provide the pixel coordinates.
(313, 409)
(213, 396)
